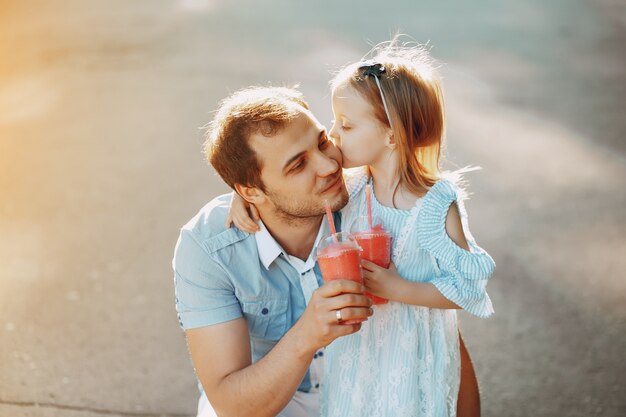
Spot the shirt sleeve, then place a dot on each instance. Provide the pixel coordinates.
(204, 292)
(463, 275)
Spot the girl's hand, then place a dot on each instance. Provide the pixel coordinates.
(242, 214)
(381, 281)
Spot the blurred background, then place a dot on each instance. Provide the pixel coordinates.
(101, 104)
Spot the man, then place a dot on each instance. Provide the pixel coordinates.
(254, 316)
(254, 310)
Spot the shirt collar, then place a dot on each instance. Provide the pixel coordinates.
(267, 246)
(269, 249)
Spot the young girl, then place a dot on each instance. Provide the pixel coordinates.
(389, 116)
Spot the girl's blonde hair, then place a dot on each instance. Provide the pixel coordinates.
(414, 97)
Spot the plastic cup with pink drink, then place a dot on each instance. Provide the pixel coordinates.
(375, 243)
(339, 257)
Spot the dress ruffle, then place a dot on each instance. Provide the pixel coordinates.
(463, 274)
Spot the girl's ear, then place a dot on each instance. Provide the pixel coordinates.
(390, 141)
(252, 195)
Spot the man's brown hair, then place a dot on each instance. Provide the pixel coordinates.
(253, 110)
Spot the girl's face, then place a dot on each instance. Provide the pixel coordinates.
(360, 135)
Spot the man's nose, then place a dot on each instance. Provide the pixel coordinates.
(326, 165)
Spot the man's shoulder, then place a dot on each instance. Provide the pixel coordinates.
(209, 221)
(207, 226)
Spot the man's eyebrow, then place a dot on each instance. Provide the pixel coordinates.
(300, 154)
(293, 158)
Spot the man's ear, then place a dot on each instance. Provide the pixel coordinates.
(252, 195)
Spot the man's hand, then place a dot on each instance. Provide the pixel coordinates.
(318, 326)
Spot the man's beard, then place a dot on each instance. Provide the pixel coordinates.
(299, 212)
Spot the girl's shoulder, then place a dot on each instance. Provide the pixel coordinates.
(452, 186)
(442, 194)
(435, 205)
(431, 222)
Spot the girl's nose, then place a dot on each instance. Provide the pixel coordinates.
(334, 139)
(333, 130)
(333, 134)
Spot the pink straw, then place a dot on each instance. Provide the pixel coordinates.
(331, 222)
(368, 199)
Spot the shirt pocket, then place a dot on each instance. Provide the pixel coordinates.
(267, 318)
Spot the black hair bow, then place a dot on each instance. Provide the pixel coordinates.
(372, 68)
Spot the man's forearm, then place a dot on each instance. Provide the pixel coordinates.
(221, 353)
(265, 387)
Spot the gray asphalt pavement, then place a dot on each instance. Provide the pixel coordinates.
(101, 105)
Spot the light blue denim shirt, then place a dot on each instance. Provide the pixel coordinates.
(224, 274)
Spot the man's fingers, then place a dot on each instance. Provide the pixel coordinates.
(346, 329)
(333, 288)
(347, 300)
(352, 313)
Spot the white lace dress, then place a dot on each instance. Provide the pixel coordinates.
(405, 359)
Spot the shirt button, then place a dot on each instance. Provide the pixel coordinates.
(265, 311)
(320, 353)
(315, 356)
(317, 385)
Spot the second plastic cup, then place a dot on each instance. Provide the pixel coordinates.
(375, 243)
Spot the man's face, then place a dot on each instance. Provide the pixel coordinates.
(301, 169)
